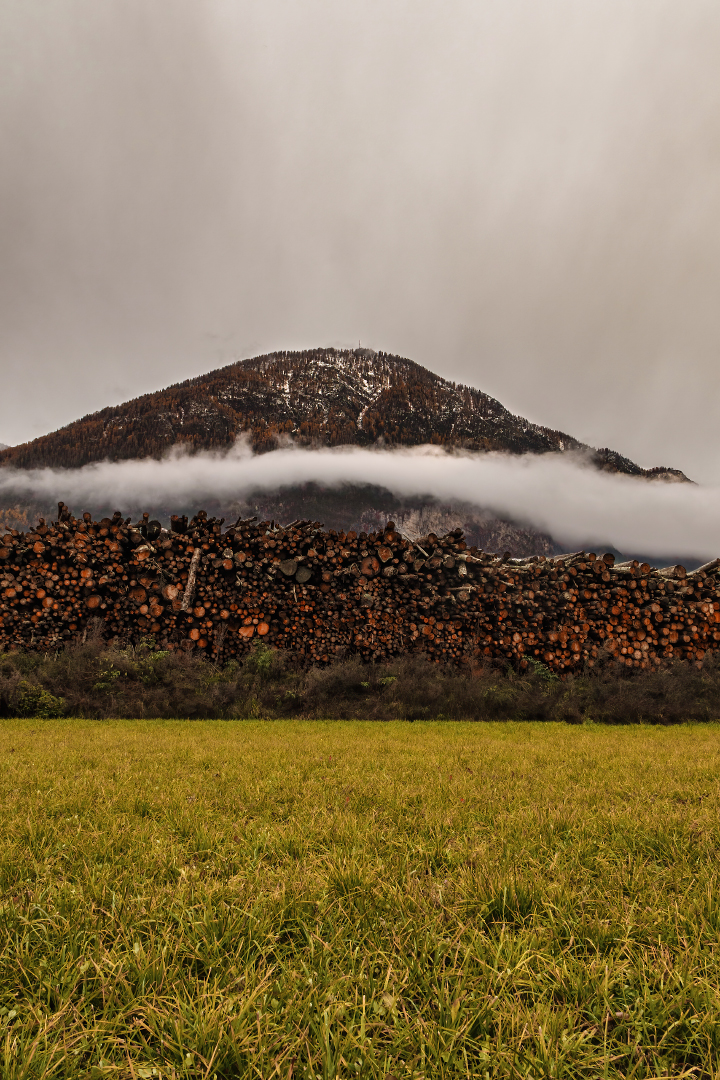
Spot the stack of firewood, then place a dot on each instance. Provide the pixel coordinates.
(200, 586)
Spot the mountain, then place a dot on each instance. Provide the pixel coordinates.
(320, 397)
(323, 397)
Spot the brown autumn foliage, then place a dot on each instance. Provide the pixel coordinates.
(322, 397)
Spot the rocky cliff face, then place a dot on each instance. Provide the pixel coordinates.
(322, 397)
(367, 508)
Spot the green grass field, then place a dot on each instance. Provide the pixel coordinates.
(290, 899)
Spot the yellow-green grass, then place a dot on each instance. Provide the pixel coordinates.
(358, 900)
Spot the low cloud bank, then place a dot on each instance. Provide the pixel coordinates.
(558, 494)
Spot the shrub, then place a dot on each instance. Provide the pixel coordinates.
(94, 680)
(32, 700)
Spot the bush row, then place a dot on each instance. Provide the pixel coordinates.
(96, 681)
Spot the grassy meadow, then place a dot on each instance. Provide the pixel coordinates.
(305, 899)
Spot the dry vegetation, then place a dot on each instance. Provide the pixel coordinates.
(358, 900)
(93, 680)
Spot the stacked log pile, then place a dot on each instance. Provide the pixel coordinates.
(200, 586)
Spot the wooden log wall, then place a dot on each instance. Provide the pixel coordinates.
(203, 587)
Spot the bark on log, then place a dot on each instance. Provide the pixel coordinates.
(192, 575)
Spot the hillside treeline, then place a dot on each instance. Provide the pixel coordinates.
(321, 397)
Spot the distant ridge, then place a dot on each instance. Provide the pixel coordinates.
(318, 397)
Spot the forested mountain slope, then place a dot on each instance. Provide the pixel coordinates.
(321, 397)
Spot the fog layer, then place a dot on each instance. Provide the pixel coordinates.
(555, 493)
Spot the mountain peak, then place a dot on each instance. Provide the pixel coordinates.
(317, 397)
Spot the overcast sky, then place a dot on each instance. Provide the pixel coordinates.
(521, 194)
